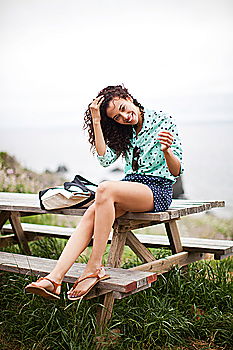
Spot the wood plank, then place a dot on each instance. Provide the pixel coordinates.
(173, 213)
(8, 240)
(162, 216)
(117, 245)
(18, 231)
(191, 209)
(136, 224)
(212, 202)
(29, 203)
(121, 280)
(43, 230)
(187, 207)
(138, 248)
(164, 265)
(174, 236)
(104, 310)
(181, 210)
(191, 244)
(4, 216)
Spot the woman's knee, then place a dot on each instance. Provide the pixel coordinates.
(103, 192)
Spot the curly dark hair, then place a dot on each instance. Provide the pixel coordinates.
(116, 136)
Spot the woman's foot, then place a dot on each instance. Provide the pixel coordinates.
(86, 282)
(47, 287)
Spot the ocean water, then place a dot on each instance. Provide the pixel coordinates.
(208, 149)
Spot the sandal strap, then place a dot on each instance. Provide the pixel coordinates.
(55, 284)
(93, 275)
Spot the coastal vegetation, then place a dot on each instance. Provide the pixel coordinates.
(189, 308)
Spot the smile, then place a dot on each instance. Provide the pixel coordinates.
(130, 118)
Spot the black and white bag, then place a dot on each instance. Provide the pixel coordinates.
(76, 194)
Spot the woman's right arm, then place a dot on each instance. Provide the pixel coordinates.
(106, 155)
(100, 144)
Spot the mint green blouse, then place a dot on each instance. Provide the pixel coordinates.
(151, 161)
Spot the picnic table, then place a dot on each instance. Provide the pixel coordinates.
(123, 282)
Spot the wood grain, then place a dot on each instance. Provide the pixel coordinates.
(18, 230)
(121, 280)
(164, 265)
(29, 203)
(174, 236)
(190, 244)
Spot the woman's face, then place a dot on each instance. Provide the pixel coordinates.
(123, 111)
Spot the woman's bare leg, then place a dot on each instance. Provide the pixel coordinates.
(127, 196)
(76, 244)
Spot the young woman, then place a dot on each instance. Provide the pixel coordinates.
(149, 142)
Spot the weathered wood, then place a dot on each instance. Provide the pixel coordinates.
(23, 214)
(213, 203)
(186, 207)
(147, 216)
(190, 244)
(4, 216)
(117, 246)
(42, 230)
(136, 224)
(181, 211)
(104, 312)
(122, 280)
(173, 213)
(29, 203)
(7, 240)
(18, 230)
(138, 248)
(166, 264)
(174, 236)
(220, 257)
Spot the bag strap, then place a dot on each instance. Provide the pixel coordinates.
(67, 186)
(81, 182)
(79, 178)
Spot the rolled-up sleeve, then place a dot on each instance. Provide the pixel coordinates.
(108, 158)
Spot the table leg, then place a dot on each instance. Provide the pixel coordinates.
(138, 248)
(104, 311)
(18, 231)
(4, 216)
(174, 236)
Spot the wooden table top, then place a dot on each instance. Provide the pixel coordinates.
(29, 203)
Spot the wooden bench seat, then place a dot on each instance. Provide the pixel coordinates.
(122, 282)
(220, 248)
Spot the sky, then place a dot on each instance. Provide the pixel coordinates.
(56, 55)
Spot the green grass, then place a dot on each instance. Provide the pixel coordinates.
(195, 303)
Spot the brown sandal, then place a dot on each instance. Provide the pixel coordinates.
(93, 275)
(43, 292)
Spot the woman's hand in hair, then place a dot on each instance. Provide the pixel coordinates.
(95, 109)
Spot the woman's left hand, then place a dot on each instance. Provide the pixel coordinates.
(166, 140)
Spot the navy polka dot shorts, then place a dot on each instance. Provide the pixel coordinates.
(161, 188)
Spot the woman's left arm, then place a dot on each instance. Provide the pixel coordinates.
(173, 163)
